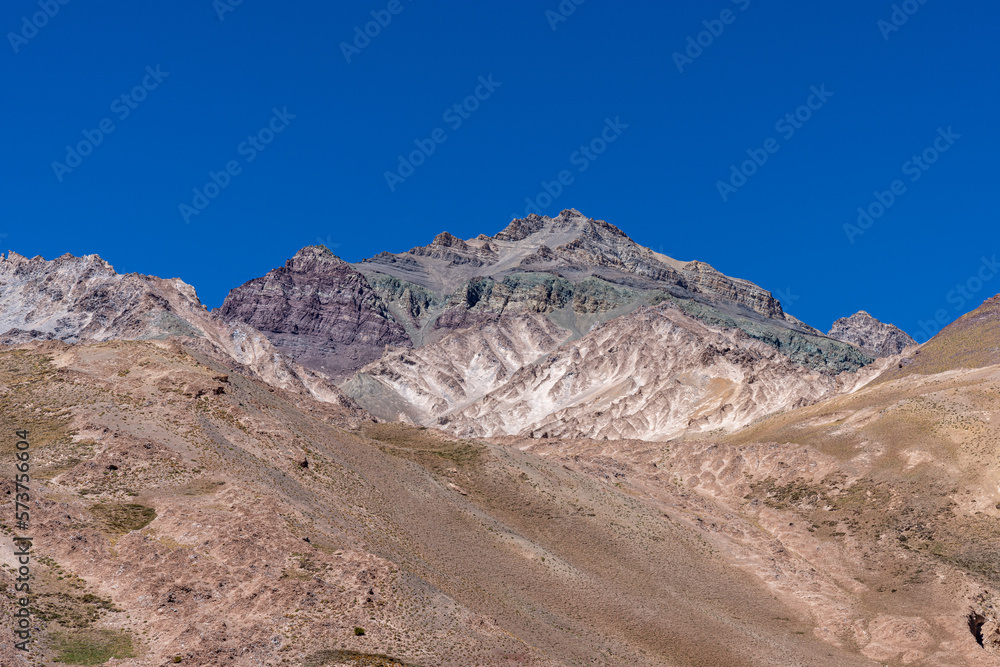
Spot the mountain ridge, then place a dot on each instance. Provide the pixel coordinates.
(80, 299)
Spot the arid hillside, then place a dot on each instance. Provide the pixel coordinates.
(877, 513)
(182, 510)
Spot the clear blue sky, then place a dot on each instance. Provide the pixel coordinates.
(323, 176)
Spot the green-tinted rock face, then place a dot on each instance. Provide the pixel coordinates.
(814, 351)
(545, 293)
(593, 295)
(532, 292)
(540, 293)
(411, 299)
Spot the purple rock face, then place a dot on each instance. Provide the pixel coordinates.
(319, 311)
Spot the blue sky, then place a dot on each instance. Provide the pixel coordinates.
(308, 128)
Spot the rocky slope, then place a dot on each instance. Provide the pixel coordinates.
(971, 341)
(876, 511)
(870, 335)
(244, 525)
(655, 373)
(76, 299)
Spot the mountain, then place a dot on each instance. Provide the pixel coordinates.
(478, 336)
(532, 330)
(603, 465)
(571, 246)
(575, 270)
(870, 335)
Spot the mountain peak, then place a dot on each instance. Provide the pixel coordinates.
(448, 240)
(311, 256)
(870, 335)
(318, 250)
(568, 220)
(570, 246)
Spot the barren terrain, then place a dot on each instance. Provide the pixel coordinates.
(183, 510)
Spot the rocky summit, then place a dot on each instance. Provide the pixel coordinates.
(546, 447)
(319, 311)
(874, 337)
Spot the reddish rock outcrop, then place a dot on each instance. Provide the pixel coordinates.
(319, 311)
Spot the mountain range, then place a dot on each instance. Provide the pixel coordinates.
(553, 325)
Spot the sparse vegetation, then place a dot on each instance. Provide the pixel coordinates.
(92, 647)
(422, 446)
(121, 518)
(354, 658)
